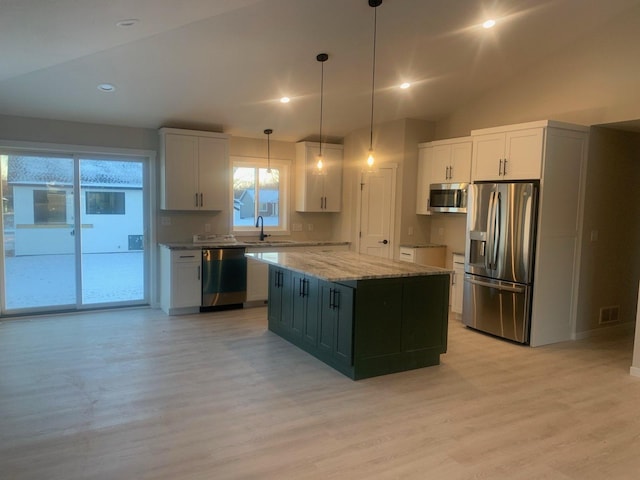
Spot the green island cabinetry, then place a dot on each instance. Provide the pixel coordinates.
(362, 327)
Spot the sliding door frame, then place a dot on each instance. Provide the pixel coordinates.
(78, 152)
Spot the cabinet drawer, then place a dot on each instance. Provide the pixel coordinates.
(186, 256)
(407, 254)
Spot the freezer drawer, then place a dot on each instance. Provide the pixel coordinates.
(496, 307)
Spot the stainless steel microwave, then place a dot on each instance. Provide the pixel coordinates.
(448, 197)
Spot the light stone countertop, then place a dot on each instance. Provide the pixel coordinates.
(252, 244)
(422, 245)
(344, 266)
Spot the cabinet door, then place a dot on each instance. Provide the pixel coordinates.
(457, 280)
(460, 168)
(318, 193)
(280, 300)
(424, 180)
(186, 281)
(257, 280)
(213, 173)
(336, 322)
(179, 174)
(332, 181)
(299, 304)
(309, 187)
(441, 164)
(524, 154)
(310, 324)
(488, 151)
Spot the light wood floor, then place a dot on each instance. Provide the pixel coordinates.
(135, 394)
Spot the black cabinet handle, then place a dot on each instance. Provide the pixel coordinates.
(336, 299)
(331, 293)
(196, 199)
(300, 287)
(201, 201)
(305, 288)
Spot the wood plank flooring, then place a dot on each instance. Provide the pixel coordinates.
(134, 394)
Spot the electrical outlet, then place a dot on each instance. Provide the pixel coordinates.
(594, 235)
(207, 227)
(310, 227)
(410, 232)
(441, 232)
(296, 227)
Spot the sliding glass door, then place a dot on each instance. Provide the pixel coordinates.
(63, 250)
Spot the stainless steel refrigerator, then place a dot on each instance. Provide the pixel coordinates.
(499, 257)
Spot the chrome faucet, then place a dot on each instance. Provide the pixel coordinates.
(260, 223)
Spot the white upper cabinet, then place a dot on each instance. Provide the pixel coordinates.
(442, 161)
(451, 161)
(318, 193)
(425, 153)
(194, 170)
(509, 155)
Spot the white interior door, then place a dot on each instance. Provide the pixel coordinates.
(377, 207)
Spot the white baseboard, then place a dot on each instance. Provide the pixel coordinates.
(634, 371)
(608, 330)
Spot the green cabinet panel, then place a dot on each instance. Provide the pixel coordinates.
(336, 322)
(379, 310)
(304, 318)
(425, 298)
(280, 294)
(362, 328)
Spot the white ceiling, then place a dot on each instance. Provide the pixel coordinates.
(223, 64)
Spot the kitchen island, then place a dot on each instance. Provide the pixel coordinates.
(362, 315)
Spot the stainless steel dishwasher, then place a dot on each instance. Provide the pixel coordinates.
(224, 277)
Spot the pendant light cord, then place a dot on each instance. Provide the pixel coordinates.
(321, 98)
(373, 73)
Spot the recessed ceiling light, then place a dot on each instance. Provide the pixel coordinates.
(129, 22)
(489, 23)
(285, 100)
(405, 85)
(106, 87)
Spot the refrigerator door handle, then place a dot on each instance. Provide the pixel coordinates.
(495, 286)
(491, 226)
(497, 216)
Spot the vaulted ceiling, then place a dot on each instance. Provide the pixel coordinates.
(224, 64)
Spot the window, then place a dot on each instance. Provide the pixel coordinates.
(49, 206)
(257, 191)
(105, 203)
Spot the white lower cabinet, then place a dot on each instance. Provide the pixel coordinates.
(180, 280)
(257, 281)
(433, 255)
(457, 280)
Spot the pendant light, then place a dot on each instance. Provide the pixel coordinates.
(268, 132)
(320, 167)
(371, 158)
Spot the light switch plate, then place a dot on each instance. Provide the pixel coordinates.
(296, 227)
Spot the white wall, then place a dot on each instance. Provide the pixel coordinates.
(394, 143)
(594, 81)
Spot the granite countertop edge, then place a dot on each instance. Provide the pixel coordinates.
(421, 245)
(345, 266)
(240, 244)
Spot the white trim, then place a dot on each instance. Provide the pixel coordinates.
(148, 157)
(70, 149)
(634, 371)
(392, 227)
(599, 332)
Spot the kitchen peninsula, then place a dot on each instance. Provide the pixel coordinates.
(362, 315)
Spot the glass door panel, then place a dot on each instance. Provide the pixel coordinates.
(38, 232)
(112, 231)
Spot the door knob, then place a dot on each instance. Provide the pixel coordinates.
(384, 241)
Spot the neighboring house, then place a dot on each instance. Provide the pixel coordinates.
(41, 193)
(244, 203)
